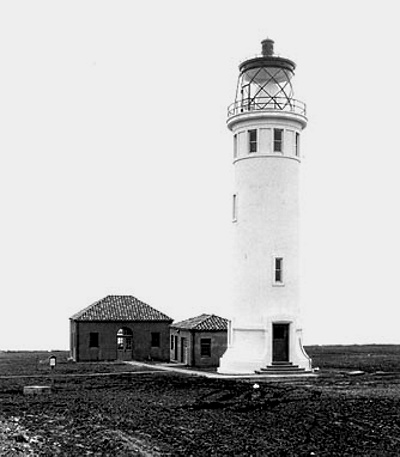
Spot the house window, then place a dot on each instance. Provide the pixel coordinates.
(93, 340)
(234, 208)
(172, 342)
(235, 141)
(278, 270)
(155, 340)
(205, 347)
(297, 144)
(252, 140)
(278, 140)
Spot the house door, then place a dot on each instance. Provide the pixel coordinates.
(175, 348)
(124, 344)
(184, 351)
(280, 342)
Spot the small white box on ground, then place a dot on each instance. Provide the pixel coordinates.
(37, 390)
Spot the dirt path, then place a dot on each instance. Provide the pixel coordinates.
(79, 375)
(147, 412)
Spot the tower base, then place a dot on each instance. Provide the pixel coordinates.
(235, 362)
(254, 348)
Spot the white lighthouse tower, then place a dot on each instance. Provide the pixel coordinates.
(266, 121)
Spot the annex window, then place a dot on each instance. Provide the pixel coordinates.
(205, 347)
(278, 270)
(155, 339)
(297, 144)
(252, 134)
(235, 146)
(234, 208)
(93, 340)
(278, 140)
(172, 342)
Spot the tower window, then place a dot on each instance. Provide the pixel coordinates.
(252, 140)
(278, 140)
(234, 208)
(297, 144)
(278, 270)
(235, 141)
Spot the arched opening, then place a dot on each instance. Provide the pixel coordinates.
(124, 343)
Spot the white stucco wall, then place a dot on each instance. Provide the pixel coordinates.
(266, 186)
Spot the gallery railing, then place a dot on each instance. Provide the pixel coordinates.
(267, 104)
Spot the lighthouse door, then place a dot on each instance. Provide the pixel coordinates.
(280, 342)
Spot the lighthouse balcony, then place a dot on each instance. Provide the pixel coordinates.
(286, 104)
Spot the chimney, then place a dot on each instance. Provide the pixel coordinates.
(267, 47)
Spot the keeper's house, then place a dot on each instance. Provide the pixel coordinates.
(119, 327)
(199, 341)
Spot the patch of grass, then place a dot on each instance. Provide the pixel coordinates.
(369, 358)
(27, 363)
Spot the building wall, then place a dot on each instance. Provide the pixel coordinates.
(107, 344)
(179, 352)
(73, 340)
(218, 347)
(265, 227)
(191, 354)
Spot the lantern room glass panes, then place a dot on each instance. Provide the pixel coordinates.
(265, 88)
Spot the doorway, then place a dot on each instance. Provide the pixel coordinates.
(184, 351)
(124, 344)
(280, 342)
(175, 347)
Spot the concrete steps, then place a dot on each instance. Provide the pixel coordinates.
(281, 369)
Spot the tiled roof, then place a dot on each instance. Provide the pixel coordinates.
(206, 322)
(120, 308)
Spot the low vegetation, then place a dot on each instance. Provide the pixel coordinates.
(113, 409)
(369, 358)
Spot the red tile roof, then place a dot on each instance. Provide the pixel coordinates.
(120, 308)
(205, 322)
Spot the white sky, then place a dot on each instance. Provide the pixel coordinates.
(115, 172)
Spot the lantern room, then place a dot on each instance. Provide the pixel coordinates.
(264, 83)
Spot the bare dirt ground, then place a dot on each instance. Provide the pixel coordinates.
(127, 411)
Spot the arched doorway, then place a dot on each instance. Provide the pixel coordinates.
(124, 343)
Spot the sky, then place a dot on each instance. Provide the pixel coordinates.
(116, 163)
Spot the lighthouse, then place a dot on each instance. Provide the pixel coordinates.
(265, 330)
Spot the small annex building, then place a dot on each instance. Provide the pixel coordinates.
(199, 341)
(119, 327)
